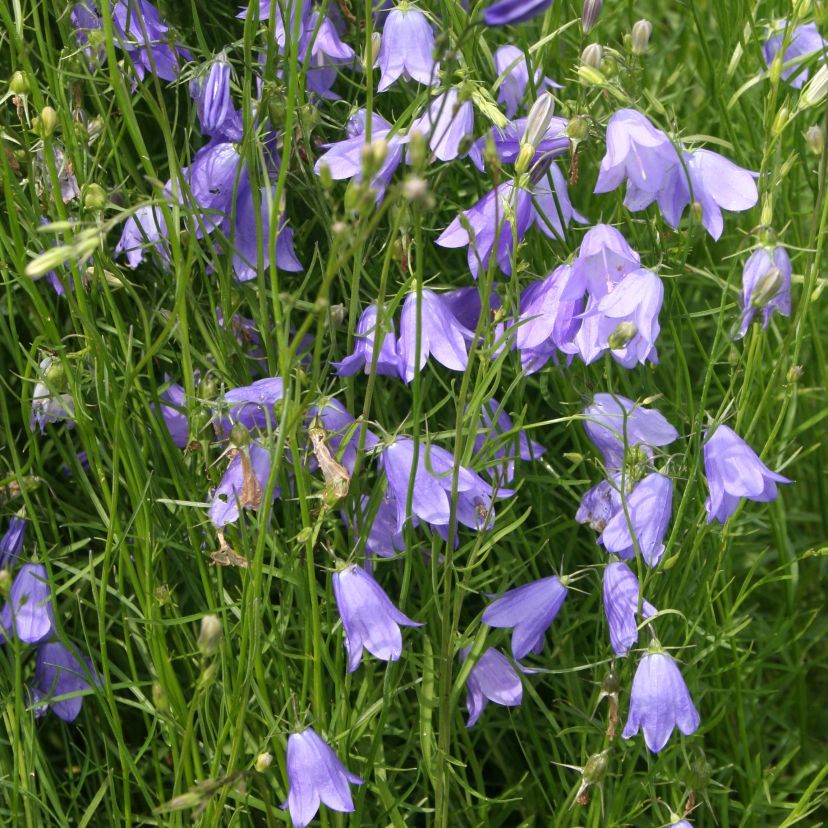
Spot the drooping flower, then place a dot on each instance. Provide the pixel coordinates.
(11, 544)
(505, 12)
(253, 406)
(501, 215)
(447, 123)
(384, 539)
(510, 65)
(315, 775)
(766, 286)
(734, 471)
(659, 701)
(636, 152)
(388, 362)
(604, 259)
(803, 43)
(174, 412)
(613, 423)
(370, 619)
(492, 679)
(621, 594)
(530, 610)
(28, 614)
(216, 113)
(49, 405)
(61, 671)
(441, 335)
(406, 49)
(145, 229)
(599, 505)
(649, 506)
(325, 51)
(281, 31)
(553, 210)
(87, 25)
(493, 427)
(242, 485)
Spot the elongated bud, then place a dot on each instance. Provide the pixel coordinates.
(94, 197)
(769, 284)
(816, 90)
(590, 75)
(640, 36)
(622, 335)
(55, 375)
(46, 123)
(815, 139)
(592, 56)
(376, 42)
(6, 580)
(19, 83)
(610, 686)
(417, 148)
(590, 15)
(780, 121)
(325, 177)
(209, 636)
(159, 696)
(539, 118)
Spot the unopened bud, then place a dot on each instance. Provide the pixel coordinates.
(376, 42)
(417, 148)
(577, 129)
(210, 634)
(699, 773)
(524, 159)
(768, 286)
(263, 762)
(816, 90)
(19, 83)
(54, 375)
(208, 388)
(589, 17)
(163, 595)
(592, 56)
(780, 121)
(697, 212)
(159, 696)
(337, 315)
(622, 335)
(540, 115)
(815, 138)
(595, 770)
(775, 69)
(239, 436)
(415, 188)
(5, 582)
(766, 216)
(94, 128)
(325, 177)
(640, 36)
(590, 75)
(795, 373)
(46, 123)
(94, 197)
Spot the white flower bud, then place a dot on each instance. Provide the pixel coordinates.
(641, 32)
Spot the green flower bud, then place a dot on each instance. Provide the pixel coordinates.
(610, 686)
(622, 335)
(239, 436)
(19, 83)
(699, 773)
(210, 635)
(159, 696)
(325, 177)
(208, 388)
(577, 129)
(46, 123)
(795, 373)
(816, 90)
(640, 36)
(55, 375)
(815, 138)
(94, 197)
(163, 595)
(595, 770)
(263, 762)
(6, 580)
(780, 121)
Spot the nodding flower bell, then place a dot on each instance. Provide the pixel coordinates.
(766, 286)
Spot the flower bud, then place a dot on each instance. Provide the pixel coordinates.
(780, 121)
(540, 115)
(208, 388)
(371, 57)
(595, 770)
(610, 686)
(697, 212)
(699, 773)
(768, 285)
(589, 17)
(415, 188)
(94, 197)
(210, 634)
(640, 36)
(54, 375)
(159, 696)
(46, 123)
(622, 335)
(816, 90)
(590, 75)
(239, 436)
(263, 762)
(577, 129)
(524, 159)
(815, 138)
(592, 56)
(163, 595)
(795, 373)
(417, 148)
(6, 580)
(325, 177)
(19, 83)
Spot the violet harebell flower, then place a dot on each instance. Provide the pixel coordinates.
(659, 702)
(766, 286)
(505, 12)
(369, 618)
(492, 678)
(529, 610)
(315, 776)
(11, 544)
(61, 671)
(805, 42)
(513, 73)
(600, 504)
(447, 123)
(173, 410)
(509, 140)
(28, 613)
(621, 595)
(406, 48)
(361, 358)
(734, 471)
(604, 259)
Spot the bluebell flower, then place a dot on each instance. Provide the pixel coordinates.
(315, 776)
(766, 286)
(253, 406)
(494, 423)
(214, 104)
(49, 404)
(388, 361)
(11, 544)
(61, 671)
(325, 52)
(529, 610)
(342, 432)
(621, 594)
(491, 679)
(649, 506)
(145, 229)
(406, 48)
(242, 486)
(553, 208)
(28, 614)
(604, 259)
(659, 701)
(599, 505)
(734, 471)
(804, 42)
(173, 410)
(370, 619)
(505, 12)
(513, 73)
(447, 122)
(509, 139)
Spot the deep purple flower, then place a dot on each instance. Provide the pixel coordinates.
(649, 505)
(495, 220)
(465, 305)
(492, 679)
(446, 123)
(505, 12)
(625, 321)
(636, 152)
(432, 486)
(659, 701)
(325, 51)
(406, 49)
(216, 113)
(599, 505)
(440, 335)
(734, 471)
(85, 20)
(621, 593)
(510, 65)
(60, 671)
(369, 618)
(805, 41)
(29, 613)
(495, 428)
(614, 422)
(315, 776)
(530, 609)
(11, 544)
(766, 286)
(175, 414)
(388, 362)
(509, 139)
(242, 485)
